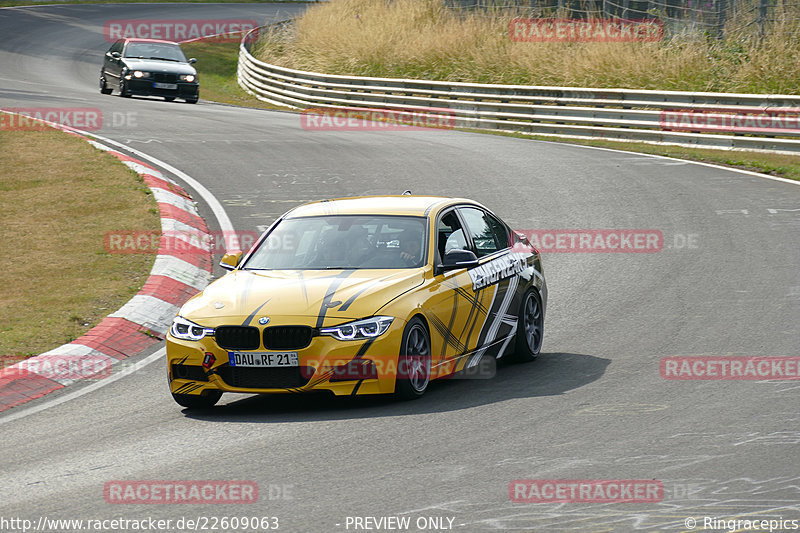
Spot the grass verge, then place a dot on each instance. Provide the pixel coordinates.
(60, 196)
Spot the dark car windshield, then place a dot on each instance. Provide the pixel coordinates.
(342, 242)
(164, 51)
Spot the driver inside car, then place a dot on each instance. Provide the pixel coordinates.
(410, 248)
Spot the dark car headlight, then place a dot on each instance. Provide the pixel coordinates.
(368, 328)
(188, 77)
(140, 74)
(187, 330)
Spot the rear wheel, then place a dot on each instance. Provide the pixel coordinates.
(169, 98)
(205, 400)
(530, 327)
(414, 363)
(104, 89)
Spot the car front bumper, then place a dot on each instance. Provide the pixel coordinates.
(147, 88)
(326, 364)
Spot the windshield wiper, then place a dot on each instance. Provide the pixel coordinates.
(164, 58)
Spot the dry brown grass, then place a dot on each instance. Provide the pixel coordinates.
(421, 39)
(59, 197)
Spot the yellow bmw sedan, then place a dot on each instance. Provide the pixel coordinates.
(367, 295)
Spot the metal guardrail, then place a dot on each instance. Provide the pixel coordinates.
(586, 113)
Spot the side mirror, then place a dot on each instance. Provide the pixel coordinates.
(230, 261)
(455, 259)
(116, 55)
(193, 60)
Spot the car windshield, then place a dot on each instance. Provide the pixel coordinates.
(342, 242)
(164, 51)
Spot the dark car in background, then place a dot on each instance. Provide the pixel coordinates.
(149, 67)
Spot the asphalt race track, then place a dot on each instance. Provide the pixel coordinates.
(594, 406)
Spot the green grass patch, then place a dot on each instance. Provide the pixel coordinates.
(216, 69)
(60, 196)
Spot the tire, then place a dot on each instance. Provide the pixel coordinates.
(414, 363)
(104, 89)
(530, 328)
(169, 98)
(206, 400)
(123, 88)
(191, 100)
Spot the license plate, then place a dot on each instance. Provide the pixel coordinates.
(262, 359)
(157, 85)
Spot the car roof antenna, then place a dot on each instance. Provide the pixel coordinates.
(406, 192)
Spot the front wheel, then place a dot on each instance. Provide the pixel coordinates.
(169, 98)
(530, 327)
(104, 89)
(414, 363)
(205, 400)
(123, 88)
(191, 100)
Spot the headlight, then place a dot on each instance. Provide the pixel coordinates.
(140, 74)
(188, 77)
(369, 328)
(189, 331)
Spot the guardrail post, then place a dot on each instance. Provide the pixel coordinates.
(762, 14)
(722, 15)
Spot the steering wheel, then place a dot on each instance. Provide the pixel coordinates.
(408, 259)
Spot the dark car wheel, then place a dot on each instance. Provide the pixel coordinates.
(169, 98)
(191, 100)
(530, 327)
(104, 89)
(206, 400)
(414, 363)
(123, 88)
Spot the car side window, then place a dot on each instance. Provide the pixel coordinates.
(117, 46)
(450, 234)
(488, 234)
